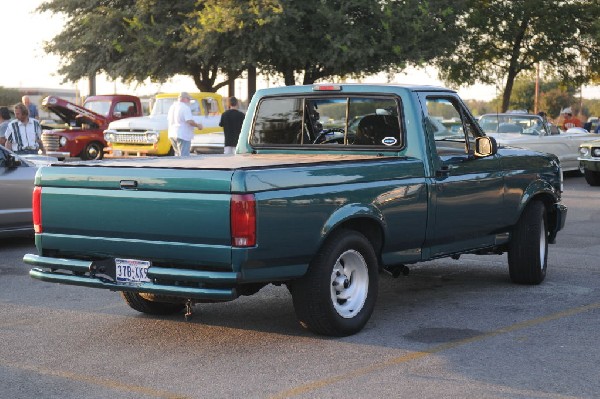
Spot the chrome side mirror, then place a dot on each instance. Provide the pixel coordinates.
(485, 146)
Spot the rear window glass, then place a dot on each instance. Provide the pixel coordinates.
(331, 121)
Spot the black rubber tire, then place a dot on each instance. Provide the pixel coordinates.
(592, 177)
(93, 151)
(136, 302)
(313, 294)
(528, 248)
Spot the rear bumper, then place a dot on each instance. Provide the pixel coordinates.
(184, 283)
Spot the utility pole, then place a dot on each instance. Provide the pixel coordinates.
(537, 89)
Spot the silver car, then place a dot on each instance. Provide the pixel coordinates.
(17, 175)
(533, 133)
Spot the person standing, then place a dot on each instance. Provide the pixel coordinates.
(569, 120)
(231, 122)
(24, 134)
(181, 125)
(4, 119)
(33, 111)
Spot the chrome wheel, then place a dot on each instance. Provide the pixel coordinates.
(349, 284)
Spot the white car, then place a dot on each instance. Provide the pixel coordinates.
(532, 132)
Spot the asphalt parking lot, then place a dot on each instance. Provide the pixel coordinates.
(451, 329)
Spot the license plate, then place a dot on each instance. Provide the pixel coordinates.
(117, 153)
(131, 271)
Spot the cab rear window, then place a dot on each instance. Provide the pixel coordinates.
(331, 121)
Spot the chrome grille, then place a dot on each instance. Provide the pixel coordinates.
(130, 137)
(50, 141)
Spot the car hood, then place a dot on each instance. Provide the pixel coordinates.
(152, 122)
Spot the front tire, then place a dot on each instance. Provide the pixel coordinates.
(138, 302)
(337, 294)
(93, 151)
(592, 177)
(528, 248)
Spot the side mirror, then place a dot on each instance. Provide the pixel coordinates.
(12, 161)
(485, 146)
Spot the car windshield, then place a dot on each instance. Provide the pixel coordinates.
(512, 123)
(99, 107)
(162, 105)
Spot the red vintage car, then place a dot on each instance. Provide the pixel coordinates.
(83, 134)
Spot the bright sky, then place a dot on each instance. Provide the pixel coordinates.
(25, 64)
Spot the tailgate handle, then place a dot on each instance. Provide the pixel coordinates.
(128, 184)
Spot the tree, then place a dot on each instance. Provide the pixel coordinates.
(503, 39)
(9, 97)
(133, 40)
(311, 40)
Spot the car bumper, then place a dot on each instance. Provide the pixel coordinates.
(183, 283)
(58, 154)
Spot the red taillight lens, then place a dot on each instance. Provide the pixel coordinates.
(243, 220)
(37, 209)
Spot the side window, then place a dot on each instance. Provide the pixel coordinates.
(328, 121)
(447, 123)
(126, 108)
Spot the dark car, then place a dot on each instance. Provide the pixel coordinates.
(17, 175)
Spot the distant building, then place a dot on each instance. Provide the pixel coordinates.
(37, 94)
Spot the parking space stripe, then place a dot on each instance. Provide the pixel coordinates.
(312, 386)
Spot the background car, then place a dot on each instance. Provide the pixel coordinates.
(17, 175)
(589, 158)
(532, 132)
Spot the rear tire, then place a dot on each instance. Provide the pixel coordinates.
(528, 248)
(592, 177)
(137, 302)
(337, 294)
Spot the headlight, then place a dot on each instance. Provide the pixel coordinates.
(62, 141)
(596, 152)
(152, 137)
(109, 136)
(584, 151)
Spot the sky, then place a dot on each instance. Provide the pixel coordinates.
(25, 64)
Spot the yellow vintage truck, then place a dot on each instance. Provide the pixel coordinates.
(147, 135)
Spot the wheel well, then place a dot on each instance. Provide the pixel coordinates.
(369, 228)
(548, 201)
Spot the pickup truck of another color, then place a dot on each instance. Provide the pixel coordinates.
(330, 185)
(83, 134)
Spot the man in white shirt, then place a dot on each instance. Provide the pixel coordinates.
(24, 134)
(181, 125)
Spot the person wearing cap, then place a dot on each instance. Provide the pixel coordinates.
(569, 120)
(181, 125)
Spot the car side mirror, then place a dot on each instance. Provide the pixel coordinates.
(485, 146)
(12, 161)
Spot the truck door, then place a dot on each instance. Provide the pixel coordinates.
(467, 193)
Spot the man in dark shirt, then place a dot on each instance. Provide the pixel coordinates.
(231, 122)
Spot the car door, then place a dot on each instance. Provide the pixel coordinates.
(467, 193)
(16, 187)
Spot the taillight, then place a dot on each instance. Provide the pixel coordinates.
(37, 209)
(243, 220)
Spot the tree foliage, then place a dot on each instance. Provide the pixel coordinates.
(9, 97)
(302, 41)
(322, 39)
(503, 39)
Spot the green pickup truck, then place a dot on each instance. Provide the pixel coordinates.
(330, 186)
